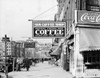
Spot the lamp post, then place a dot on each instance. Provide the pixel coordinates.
(6, 39)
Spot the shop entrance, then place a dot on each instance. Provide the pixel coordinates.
(92, 59)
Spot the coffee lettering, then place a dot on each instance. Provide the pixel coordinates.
(50, 32)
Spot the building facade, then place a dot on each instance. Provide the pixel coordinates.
(81, 46)
(13, 48)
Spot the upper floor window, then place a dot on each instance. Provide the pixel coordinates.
(89, 5)
(93, 5)
(92, 2)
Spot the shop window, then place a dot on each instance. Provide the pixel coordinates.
(85, 59)
(89, 59)
(92, 59)
(98, 58)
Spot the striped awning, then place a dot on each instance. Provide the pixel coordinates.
(89, 39)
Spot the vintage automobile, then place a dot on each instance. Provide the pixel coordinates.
(8, 63)
(2, 64)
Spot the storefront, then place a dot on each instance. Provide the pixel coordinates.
(65, 56)
(86, 62)
(56, 55)
(89, 42)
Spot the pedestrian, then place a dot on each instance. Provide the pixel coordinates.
(42, 60)
(27, 63)
(33, 61)
(18, 64)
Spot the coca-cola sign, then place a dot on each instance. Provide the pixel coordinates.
(88, 17)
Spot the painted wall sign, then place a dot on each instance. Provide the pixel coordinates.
(88, 17)
(48, 29)
(29, 45)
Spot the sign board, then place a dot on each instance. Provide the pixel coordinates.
(87, 17)
(29, 44)
(48, 29)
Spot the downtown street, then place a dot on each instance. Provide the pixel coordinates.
(41, 70)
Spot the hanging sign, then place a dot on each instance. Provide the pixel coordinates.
(48, 29)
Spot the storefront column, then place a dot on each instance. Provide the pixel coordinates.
(78, 57)
(76, 51)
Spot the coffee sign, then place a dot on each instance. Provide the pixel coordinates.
(48, 29)
(88, 17)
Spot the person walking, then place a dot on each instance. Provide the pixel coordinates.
(27, 63)
(18, 64)
(42, 60)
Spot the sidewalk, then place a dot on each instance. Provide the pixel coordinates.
(41, 70)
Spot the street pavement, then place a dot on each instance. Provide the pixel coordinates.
(41, 70)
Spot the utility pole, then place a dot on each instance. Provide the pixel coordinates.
(6, 39)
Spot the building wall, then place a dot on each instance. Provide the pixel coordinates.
(66, 11)
(19, 49)
(8, 48)
(1, 48)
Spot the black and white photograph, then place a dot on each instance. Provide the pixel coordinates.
(49, 38)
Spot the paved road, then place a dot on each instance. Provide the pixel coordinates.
(42, 70)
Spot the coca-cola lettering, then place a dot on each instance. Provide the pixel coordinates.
(91, 17)
(98, 18)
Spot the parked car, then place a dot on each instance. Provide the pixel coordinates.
(2, 64)
(9, 63)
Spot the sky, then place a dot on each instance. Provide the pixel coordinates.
(14, 16)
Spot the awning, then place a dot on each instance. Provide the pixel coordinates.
(57, 51)
(89, 39)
